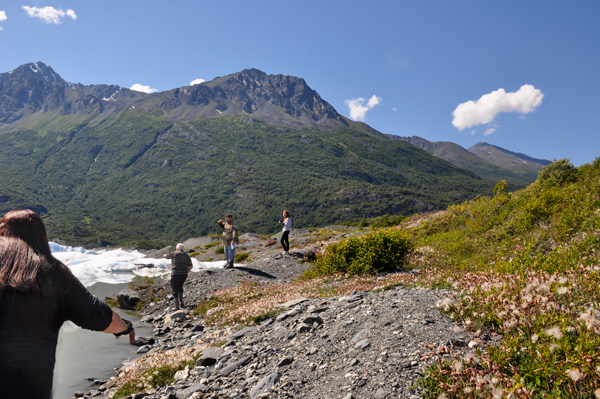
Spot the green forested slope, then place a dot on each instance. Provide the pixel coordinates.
(133, 177)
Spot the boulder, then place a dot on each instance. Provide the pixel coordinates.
(210, 355)
(128, 299)
(264, 385)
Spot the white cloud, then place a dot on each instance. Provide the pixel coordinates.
(394, 109)
(143, 89)
(3, 16)
(358, 109)
(197, 82)
(49, 15)
(484, 110)
(489, 131)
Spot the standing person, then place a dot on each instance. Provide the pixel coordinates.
(229, 239)
(181, 265)
(37, 294)
(287, 227)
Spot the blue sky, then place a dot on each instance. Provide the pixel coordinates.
(414, 63)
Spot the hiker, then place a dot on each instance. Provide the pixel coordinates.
(230, 238)
(37, 294)
(181, 265)
(287, 227)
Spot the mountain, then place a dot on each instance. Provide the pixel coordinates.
(519, 163)
(104, 164)
(485, 167)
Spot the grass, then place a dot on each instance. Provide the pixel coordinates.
(242, 257)
(526, 265)
(212, 244)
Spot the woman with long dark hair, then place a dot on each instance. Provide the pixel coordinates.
(37, 294)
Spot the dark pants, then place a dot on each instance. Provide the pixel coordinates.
(177, 281)
(285, 242)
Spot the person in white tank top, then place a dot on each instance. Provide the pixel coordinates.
(287, 227)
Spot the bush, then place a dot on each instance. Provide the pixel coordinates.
(220, 250)
(141, 282)
(242, 256)
(366, 254)
(558, 173)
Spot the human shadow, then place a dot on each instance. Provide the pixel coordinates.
(255, 272)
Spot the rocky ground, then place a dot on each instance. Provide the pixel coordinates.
(371, 344)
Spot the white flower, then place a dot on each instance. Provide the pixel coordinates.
(534, 338)
(554, 332)
(574, 374)
(597, 393)
(442, 396)
(562, 290)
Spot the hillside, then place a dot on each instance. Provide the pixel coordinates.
(484, 167)
(106, 165)
(521, 164)
(525, 265)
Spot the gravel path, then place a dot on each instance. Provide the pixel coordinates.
(371, 344)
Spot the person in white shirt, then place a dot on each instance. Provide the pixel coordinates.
(287, 226)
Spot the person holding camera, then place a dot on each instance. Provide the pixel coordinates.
(287, 227)
(230, 238)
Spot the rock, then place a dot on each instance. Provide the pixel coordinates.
(186, 393)
(182, 375)
(241, 333)
(128, 299)
(78, 394)
(144, 349)
(285, 361)
(350, 298)
(457, 342)
(291, 304)
(225, 371)
(175, 316)
(364, 344)
(265, 384)
(302, 328)
(310, 320)
(209, 356)
(141, 341)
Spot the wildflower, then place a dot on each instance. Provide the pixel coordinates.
(468, 390)
(563, 280)
(497, 393)
(554, 332)
(552, 347)
(562, 291)
(597, 393)
(457, 366)
(442, 396)
(574, 374)
(534, 338)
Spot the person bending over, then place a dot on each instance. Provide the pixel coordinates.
(287, 227)
(38, 294)
(229, 239)
(181, 265)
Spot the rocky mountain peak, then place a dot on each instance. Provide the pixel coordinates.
(40, 71)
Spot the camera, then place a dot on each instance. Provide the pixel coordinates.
(280, 220)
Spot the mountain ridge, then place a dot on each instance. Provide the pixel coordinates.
(493, 168)
(107, 165)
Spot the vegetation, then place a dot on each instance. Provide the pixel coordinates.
(526, 265)
(241, 257)
(140, 180)
(370, 253)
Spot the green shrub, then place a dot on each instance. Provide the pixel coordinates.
(242, 256)
(366, 254)
(220, 250)
(212, 244)
(141, 282)
(557, 173)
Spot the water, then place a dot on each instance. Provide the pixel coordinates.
(83, 355)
